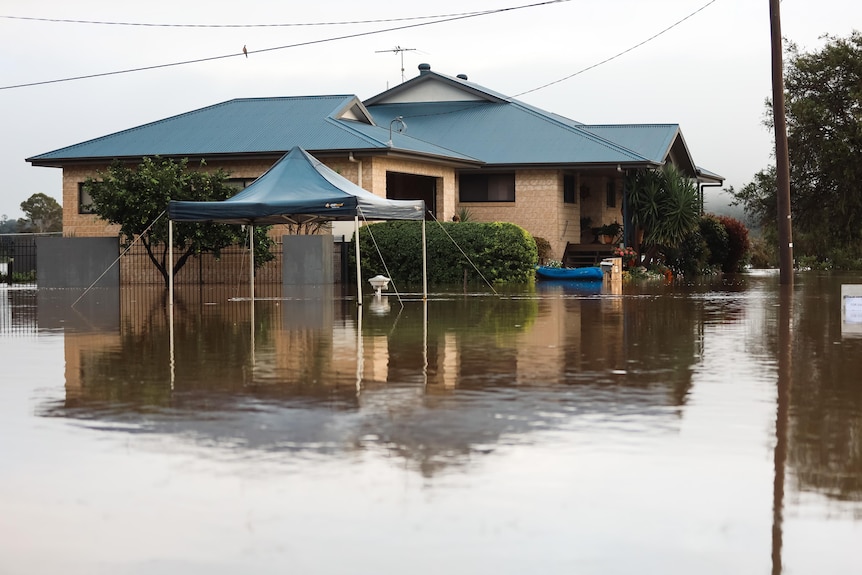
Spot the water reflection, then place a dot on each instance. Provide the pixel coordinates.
(683, 423)
(481, 372)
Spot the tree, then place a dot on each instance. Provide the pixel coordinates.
(664, 205)
(135, 198)
(824, 129)
(43, 213)
(8, 226)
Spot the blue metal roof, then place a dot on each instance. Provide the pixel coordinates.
(504, 133)
(251, 125)
(652, 141)
(483, 127)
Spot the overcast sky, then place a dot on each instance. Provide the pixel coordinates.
(710, 74)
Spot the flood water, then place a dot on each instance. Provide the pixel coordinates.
(674, 429)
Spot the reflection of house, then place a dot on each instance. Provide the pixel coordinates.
(443, 139)
(485, 372)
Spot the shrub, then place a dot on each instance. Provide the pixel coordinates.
(739, 246)
(543, 249)
(715, 236)
(763, 254)
(502, 252)
(691, 257)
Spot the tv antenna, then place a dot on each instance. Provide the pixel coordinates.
(398, 50)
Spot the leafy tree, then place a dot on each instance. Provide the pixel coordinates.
(823, 93)
(43, 213)
(759, 199)
(134, 198)
(824, 130)
(8, 226)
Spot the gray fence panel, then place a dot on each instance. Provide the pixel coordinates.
(77, 262)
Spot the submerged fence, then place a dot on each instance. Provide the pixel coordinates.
(18, 258)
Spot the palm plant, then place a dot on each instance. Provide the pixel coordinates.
(664, 207)
(680, 208)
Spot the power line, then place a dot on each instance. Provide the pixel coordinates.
(282, 25)
(308, 43)
(614, 57)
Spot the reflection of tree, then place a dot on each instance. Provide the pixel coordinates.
(661, 339)
(826, 402)
(825, 427)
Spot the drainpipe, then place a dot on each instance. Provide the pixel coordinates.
(358, 168)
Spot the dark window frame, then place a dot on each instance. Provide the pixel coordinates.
(611, 194)
(487, 188)
(570, 195)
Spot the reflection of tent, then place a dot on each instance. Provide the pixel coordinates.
(298, 188)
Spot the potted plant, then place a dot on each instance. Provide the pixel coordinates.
(610, 232)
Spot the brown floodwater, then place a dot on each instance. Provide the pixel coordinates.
(713, 427)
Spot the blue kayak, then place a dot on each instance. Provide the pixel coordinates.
(583, 274)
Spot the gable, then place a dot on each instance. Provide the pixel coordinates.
(431, 92)
(355, 111)
(433, 87)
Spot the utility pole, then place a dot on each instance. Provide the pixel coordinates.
(782, 162)
(398, 50)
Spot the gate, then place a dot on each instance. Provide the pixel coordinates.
(18, 258)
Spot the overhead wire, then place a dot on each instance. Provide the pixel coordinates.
(438, 20)
(296, 45)
(615, 56)
(277, 25)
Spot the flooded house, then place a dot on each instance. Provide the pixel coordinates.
(445, 140)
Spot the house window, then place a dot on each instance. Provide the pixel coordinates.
(486, 188)
(612, 194)
(85, 202)
(569, 195)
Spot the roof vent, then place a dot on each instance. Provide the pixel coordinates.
(462, 77)
(424, 68)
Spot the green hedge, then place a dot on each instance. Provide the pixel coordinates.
(502, 252)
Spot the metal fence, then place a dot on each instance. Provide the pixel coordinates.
(18, 258)
(17, 312)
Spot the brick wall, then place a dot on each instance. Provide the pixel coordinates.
(538, 206)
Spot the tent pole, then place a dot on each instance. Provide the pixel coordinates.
(358, 272)
(251, 261)
(424, 264)
(171, 292)
(171, 264)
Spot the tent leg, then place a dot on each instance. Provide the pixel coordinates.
(358, 272)
(424, 264)
(171, 292)
(171, 264)
(251, 261)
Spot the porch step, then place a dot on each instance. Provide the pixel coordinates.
(585, 255)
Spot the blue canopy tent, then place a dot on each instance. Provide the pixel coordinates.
(298, 189)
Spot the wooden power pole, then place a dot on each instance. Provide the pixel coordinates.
(782, 162)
